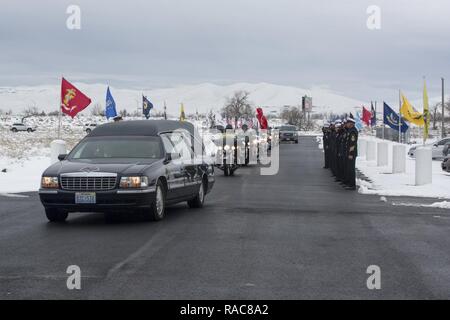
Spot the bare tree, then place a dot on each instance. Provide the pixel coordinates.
(293, 116)
(238, 106)
(435, 114)
(124, 113)
(30, 111)
(97, 110)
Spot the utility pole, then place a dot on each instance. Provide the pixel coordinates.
(442, 117)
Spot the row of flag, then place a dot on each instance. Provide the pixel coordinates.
(74, 101)
(400, 122)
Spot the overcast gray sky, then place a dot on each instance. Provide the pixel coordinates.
(159, 43)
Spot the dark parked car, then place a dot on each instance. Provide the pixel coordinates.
(288, 133)
(128, 166)
(446, 164)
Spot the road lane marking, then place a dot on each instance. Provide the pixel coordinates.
(14, 195)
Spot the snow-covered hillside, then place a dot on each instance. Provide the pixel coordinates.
(202, 97)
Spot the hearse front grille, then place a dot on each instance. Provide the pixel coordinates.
(86, 183)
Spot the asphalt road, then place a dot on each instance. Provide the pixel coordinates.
(296, 235)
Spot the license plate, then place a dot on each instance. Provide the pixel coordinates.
(85, 198)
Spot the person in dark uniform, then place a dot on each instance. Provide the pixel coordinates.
(339, 152)
(333, 147)
(351, 154)
(326, 144)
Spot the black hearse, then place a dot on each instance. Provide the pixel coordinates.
(129, 166)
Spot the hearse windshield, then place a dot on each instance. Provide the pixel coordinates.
(288, 128)
(130, 147)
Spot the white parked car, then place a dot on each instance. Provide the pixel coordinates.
(16, 127)
(437, 149)
(89, 127)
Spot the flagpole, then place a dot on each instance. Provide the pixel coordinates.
(399, 116)
(376, 118)
(424, 115)
(442, 117)
(59, 115)
(383, 122)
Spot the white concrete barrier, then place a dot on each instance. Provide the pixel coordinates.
(382, 154)
(398, 158)
(57, 147)
(371, 152)
(423, 166)
(362, 147)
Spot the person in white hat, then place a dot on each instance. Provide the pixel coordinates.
(351, 154)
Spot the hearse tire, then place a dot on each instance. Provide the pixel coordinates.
(199, 199)
(158, 207)
(54, 215)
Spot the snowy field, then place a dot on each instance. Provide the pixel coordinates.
(24, 156)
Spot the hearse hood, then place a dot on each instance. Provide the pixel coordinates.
(122, 169)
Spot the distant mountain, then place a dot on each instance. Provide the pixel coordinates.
(201, 97)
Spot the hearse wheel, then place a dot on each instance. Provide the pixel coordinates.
(158, 207)
(54, 215)
(199, 199)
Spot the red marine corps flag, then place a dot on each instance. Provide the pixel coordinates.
(72, 99)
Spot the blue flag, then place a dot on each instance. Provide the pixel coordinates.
(391, 118)
(110, 105)
(358, 123)
(146, 107)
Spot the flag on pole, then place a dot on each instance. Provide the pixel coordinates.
(72, 99)
(358, 123)
(391, 118)
(366, 116)
(182, 115)
(426, 112)
(373, 118)
(410, 114)
(146, 106)
(110, 105)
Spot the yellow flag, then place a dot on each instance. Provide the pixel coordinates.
(426, 112)
(410, 114)
(182, 115)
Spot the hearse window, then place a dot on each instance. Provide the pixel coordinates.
(179, 144)
(118, 147)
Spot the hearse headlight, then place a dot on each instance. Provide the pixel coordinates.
(226, 147)
(49, 182)
(133, 182)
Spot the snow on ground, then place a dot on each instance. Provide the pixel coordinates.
(24, 156)
(384, 183)
(440, 205)
(22, 175)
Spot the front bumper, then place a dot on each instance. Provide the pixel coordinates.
(113, 200)
(288, 138)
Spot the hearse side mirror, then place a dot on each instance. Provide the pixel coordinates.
(62, 157)
(172, 156)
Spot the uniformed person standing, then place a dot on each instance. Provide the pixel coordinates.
(332, 144)
(326, 144)
(334, 156)
(339, 152)
(352, 153)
